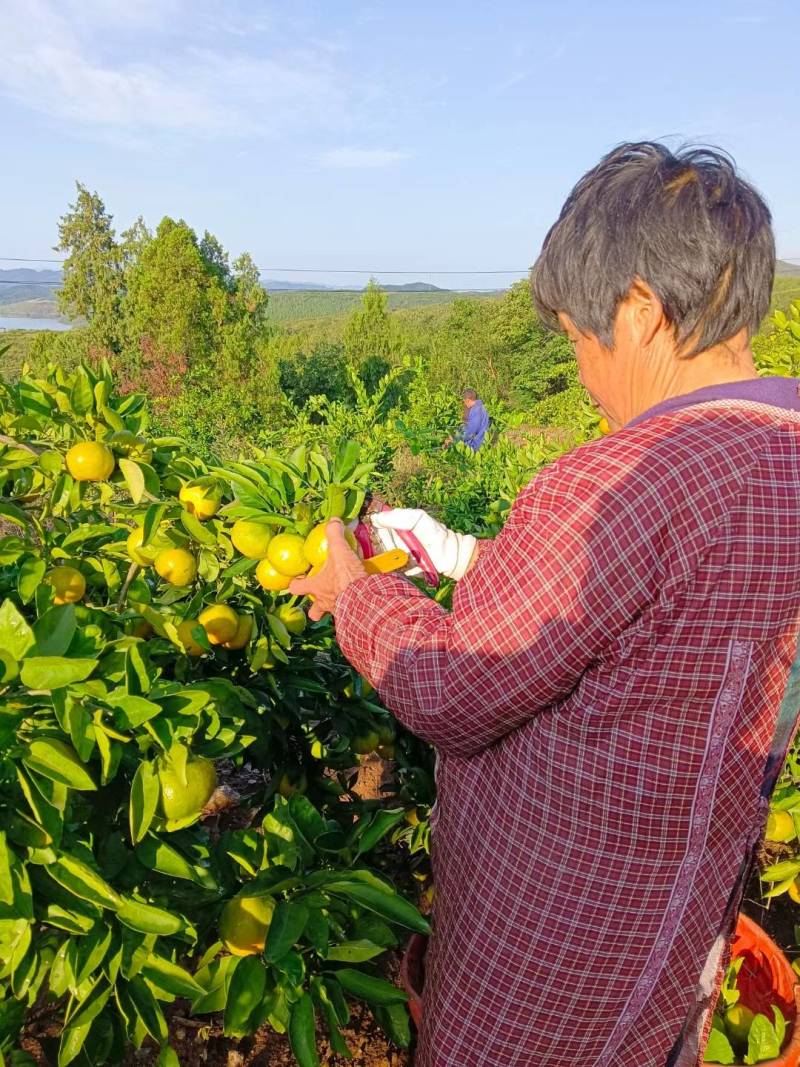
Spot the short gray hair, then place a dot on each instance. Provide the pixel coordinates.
(469, 394)
(684, 223)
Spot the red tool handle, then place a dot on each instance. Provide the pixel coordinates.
(412, 544)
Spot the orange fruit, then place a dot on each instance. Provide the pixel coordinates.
(176, 566)
(251, 538)
(315, 547)
(143, 556)
(190, 645)
(244, 924)
(738, 1020)
(292, 783)
(604, 426)
(90, 461)
(794, 891)
(293, 618)
(201, 501)
(244, 630)
(780, 826)
(285, 553)
(220, 623)
(179, 800)
(68, 584)
(364, 743)
(270, 578)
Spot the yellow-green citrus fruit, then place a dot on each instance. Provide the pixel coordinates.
(126, 443)
(251, 538)
(90, 461)
(604, 426)
(269, 578)
(315, 547)
(780, 826)
(794, 891)
(244, 924)
(292, 784)
(285, 553)
(293, 618)
(386, 733)
(244, 630)
(176, 566)
(220, 623)
(68, 584)
(200, 501)
(411, 817)
(179, 800)
(365, 743)
(738, 1020)
(191, 646)
(143, 556)
(386, 750)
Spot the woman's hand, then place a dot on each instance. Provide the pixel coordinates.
(340, 570)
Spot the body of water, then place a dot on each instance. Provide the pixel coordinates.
(32, 324)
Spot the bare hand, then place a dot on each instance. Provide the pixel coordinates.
(340, 570)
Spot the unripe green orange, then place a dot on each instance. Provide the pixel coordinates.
(244, 924)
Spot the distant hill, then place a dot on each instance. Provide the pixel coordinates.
(784, 267)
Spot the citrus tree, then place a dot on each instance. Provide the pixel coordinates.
(150, 655)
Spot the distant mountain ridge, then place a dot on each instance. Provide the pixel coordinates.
(25, 283)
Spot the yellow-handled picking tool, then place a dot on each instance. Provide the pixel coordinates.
(386, 562)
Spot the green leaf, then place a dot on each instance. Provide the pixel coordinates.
(72, 1039)
(197, 530)
(167, 1057)
(54, 630)
(6, 883)
(393, 1020)
(83, 882)
(57, 761)
(288, 922)
(54, 672)
(370, 833)
(778, 872)
(346, 460)
(134, 479)
(374, 990)
(302, 1032)
(390, 905)
(321, 997)
(16, 636)
(81, 398)
(149, 920)
(31, 573)
(354, 951)
(762, 1041)
(148, 1010)
(162, 857)
(143, 801)
(245, 994)
(133, 710)
(170, 978)
(152, 520)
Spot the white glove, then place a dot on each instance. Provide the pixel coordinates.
(450, 552)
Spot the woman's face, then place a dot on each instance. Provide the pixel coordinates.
(595, 366)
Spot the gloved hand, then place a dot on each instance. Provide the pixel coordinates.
(450, 552)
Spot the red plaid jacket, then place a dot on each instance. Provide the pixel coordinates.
(602, 696)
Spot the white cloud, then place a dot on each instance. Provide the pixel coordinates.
(152, 66)
(361, 158)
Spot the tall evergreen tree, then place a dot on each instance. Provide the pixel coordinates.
(93, 276)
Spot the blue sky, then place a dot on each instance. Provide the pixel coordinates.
(414, 136)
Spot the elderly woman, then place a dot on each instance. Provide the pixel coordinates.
(605, 696)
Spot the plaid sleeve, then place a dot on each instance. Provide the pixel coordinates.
(576, 563)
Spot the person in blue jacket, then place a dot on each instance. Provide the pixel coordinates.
(475, 423)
